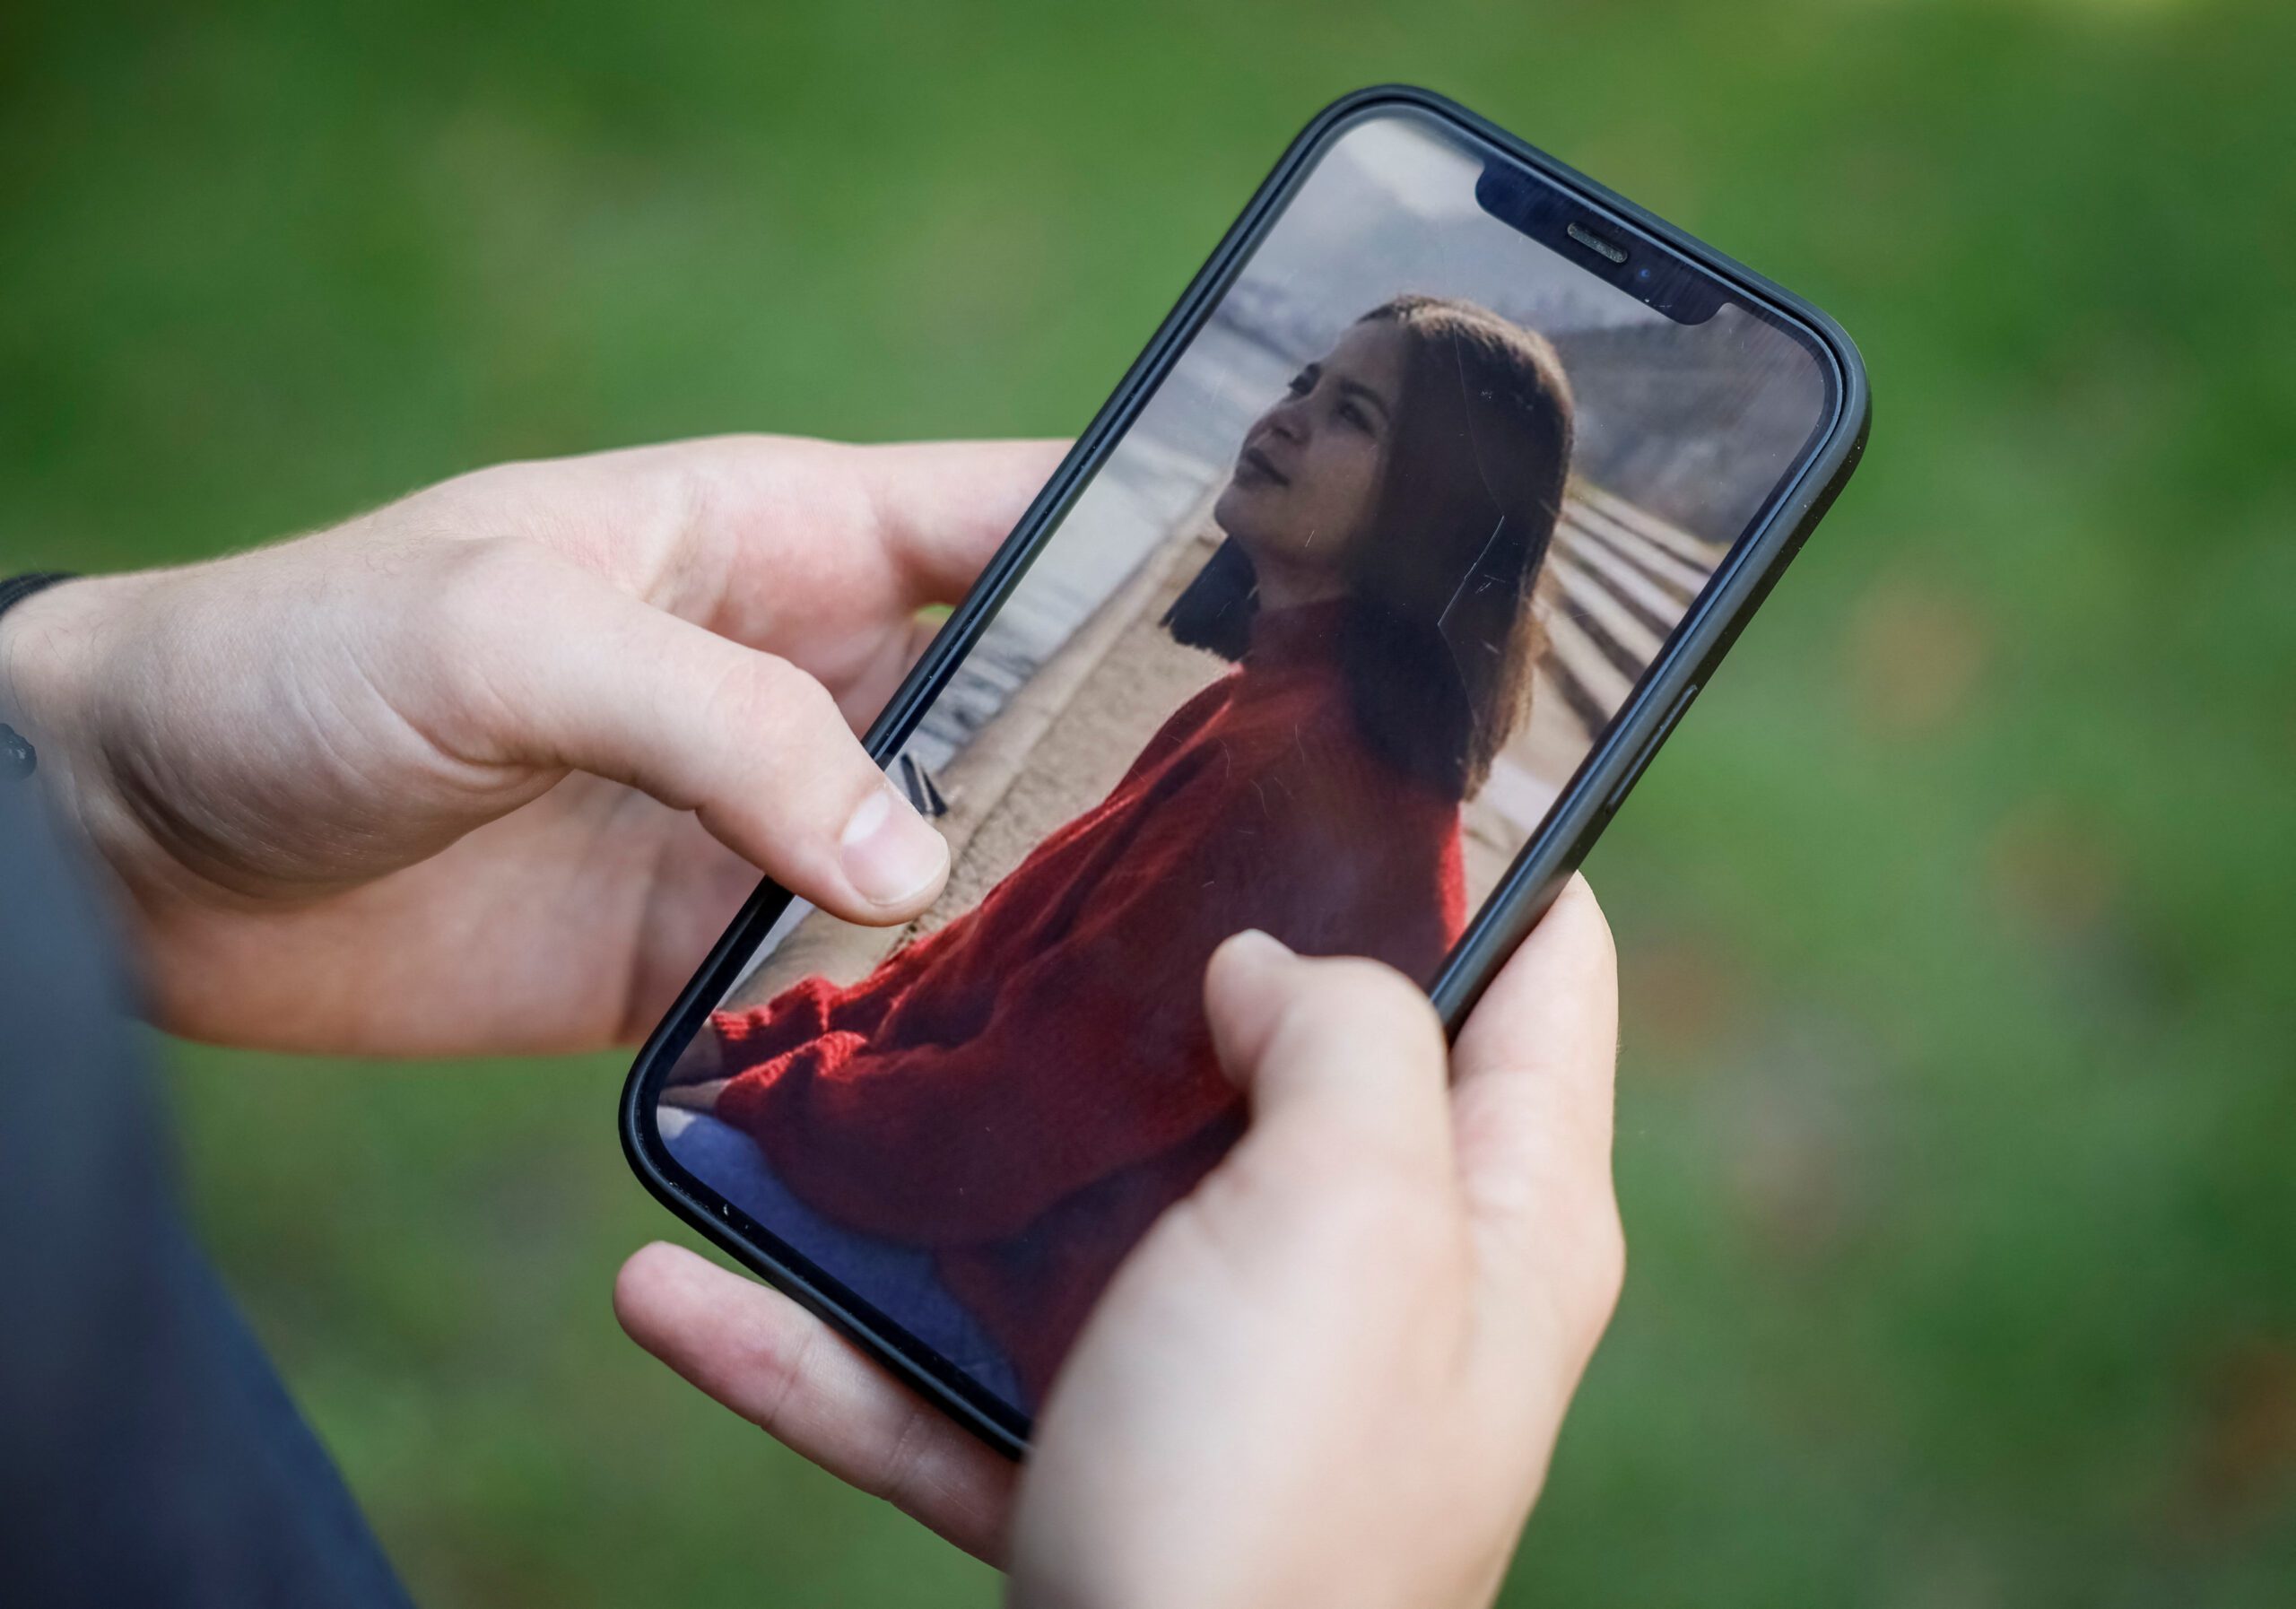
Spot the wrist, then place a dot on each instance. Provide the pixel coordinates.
(52, 648)
(28, 651)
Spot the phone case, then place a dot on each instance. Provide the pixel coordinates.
(1578, 819)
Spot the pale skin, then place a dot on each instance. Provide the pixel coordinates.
(487, 770)
(515, 747)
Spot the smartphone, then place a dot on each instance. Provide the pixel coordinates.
(1352, 617)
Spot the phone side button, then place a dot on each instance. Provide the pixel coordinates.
(1634, 772)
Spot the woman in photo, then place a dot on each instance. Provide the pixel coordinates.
(975, 1135)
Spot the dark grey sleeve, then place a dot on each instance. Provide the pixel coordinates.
(149, 1455)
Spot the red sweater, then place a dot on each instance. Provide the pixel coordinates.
(1025, 1088)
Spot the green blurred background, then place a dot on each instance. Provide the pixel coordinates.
(1958, 1116)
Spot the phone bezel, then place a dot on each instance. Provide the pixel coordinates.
(1582, 811)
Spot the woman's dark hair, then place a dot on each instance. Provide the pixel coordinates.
(1438, 639)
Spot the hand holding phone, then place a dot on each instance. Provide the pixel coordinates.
(1334, 1373)
(449, 779)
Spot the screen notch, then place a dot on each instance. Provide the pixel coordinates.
(1645, 270)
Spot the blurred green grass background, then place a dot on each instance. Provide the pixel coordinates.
(1958, 1128)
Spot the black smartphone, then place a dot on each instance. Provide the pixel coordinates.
(1352, 617)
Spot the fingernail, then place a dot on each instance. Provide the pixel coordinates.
(891, 854)
(1252, 948)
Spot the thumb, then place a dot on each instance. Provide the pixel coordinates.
(1349, 1047)
(578, 674)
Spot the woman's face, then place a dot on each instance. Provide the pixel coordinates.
(1309, 471)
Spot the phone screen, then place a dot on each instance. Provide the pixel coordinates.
(1313, 650)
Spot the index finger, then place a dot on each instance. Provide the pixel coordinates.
(787, 1372)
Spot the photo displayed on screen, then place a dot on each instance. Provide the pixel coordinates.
(1314, 652)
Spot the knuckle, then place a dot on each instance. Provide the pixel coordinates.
(1581, 1251)
(1604, 1257)
(468, 646)
(765, 694)
(480, 583)
(1579, 1132)
(898, 1474)
(776, 1363)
